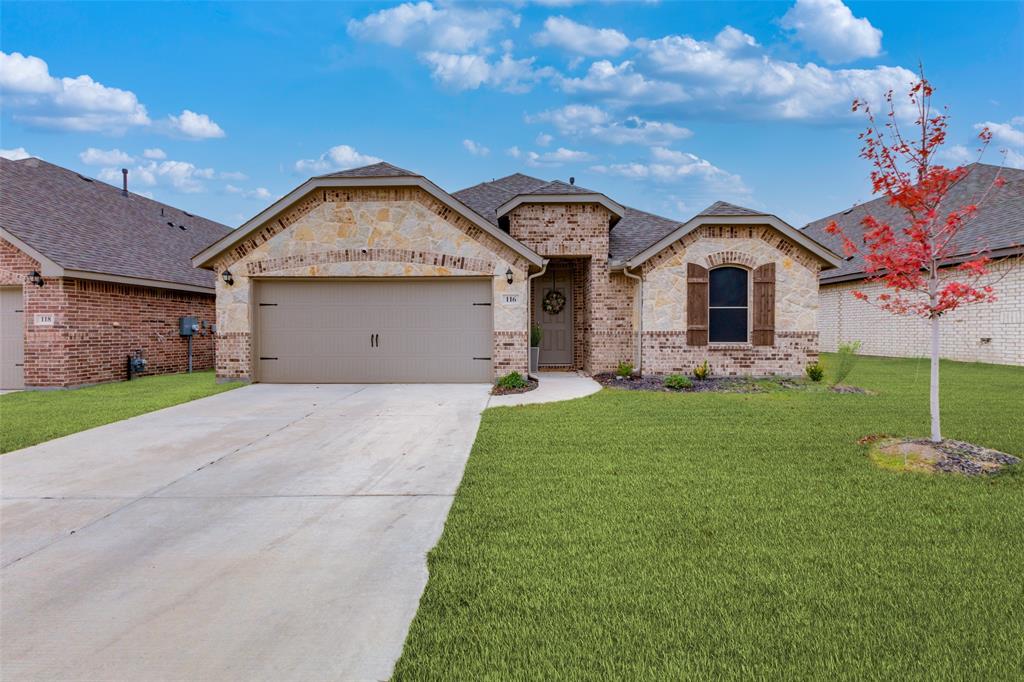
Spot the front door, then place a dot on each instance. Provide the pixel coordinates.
(555, 320)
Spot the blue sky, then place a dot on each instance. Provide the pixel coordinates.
(222, 108)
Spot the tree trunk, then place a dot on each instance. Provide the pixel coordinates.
(936, 431)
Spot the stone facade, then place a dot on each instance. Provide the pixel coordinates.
(98, 324)
(369, 232)
(796, 302)
(990, 332)
(603, 301)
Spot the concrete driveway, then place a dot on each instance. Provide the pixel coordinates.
(271, 532)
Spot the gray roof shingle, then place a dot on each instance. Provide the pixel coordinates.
(88, 225)
(376, 170)
(999, 223)
(724, 208)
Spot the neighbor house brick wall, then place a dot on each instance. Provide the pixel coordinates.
(796, 303)
(605, 323)
(369, 232)
(98, 324)
(843, 319)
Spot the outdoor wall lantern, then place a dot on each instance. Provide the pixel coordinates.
(36, 278)
(508, 275)
(227, 277)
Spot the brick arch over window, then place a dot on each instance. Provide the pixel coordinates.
(720, 258)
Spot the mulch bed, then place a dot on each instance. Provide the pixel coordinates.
(530, 385)
(947, 456)
(654, 383)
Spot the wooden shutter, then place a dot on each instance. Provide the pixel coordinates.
(764, 305)
(696, 305)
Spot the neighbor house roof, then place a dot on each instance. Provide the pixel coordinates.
(376, 175)
(998, 226)
(78, 226)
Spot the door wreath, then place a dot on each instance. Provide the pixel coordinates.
(554, 302)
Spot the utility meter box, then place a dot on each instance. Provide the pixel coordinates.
(187, 326)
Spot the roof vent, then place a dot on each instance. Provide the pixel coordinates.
(83, 177)
(188, 214)
(572, 180)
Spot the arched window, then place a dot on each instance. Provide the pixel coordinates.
(728, 305)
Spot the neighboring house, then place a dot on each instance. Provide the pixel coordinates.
(376, 275)
(90, 274)
(987, 332)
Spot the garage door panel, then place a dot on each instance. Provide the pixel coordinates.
(366, 331)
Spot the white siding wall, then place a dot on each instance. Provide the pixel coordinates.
(843, 318)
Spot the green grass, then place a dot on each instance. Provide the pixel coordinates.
(31, 417)
(660, 536)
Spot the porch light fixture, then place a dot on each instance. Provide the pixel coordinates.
(508, 275)
(36, 278)
(227, 277)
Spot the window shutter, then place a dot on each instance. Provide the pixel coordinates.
(696, 305)
(764, 305)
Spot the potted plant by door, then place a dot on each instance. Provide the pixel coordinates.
(535, 336)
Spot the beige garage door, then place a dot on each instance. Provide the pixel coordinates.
(373, 331)
(12, 338)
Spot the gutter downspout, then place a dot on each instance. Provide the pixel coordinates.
(640, 318)
(529, 308)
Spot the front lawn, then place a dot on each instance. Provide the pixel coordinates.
(651, 535)
(31, 417)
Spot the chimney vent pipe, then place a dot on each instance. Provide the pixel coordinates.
(124, 187)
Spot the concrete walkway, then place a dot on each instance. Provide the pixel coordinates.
(552, 387)
(266, 533)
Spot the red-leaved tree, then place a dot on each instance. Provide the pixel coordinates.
(908, 257)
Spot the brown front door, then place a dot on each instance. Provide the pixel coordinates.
(556, 342)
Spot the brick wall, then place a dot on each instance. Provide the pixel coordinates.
(603, 335)
(666, 352)
(964, 332)
(98, 324)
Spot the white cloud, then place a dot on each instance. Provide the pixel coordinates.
(104, 157)
(336, 158)
(668, 166)
(470, 71)
(557, 157)
(79, 104)
(423, 25)
(1005, 133)
(956, 155)
(1013, 159)
(514, 152)
(565, 33)
(543, 139)
(829, 28)
(581, 120)
(475, 149)
(16, 154)
(258, 193)
(232, 175)
(622, 84)
(195, 126)
(154, 153)
(178, 175)
(753, 84)
(734, 40)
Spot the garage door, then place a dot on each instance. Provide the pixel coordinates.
(12, 338)
(374, 331)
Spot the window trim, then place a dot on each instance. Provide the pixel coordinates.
(748, 306)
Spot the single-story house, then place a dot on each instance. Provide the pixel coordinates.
(91, 274)
(376, 274)
(988, 332)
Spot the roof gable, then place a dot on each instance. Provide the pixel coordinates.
(83, 225)
(377, 175)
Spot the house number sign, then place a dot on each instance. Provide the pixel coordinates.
(510, 298)
(43, 319)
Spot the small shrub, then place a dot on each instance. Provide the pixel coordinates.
(625, 370)
(678, 382)
(702, 371)
(846, 358)
(536, 334)
(815, 371)
(512, 380)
